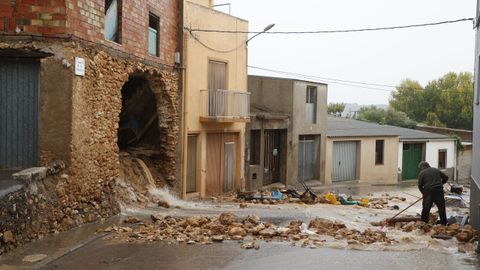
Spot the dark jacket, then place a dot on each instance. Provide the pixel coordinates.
(431, 178)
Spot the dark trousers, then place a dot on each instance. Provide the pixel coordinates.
(430, 197)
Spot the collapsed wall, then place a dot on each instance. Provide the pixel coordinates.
(79, 121)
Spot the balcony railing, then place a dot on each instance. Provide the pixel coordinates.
(225, 106)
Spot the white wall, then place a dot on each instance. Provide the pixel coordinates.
(431, 153)
(400, 155)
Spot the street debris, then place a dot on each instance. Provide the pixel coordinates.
(228, 226)
(284, 196)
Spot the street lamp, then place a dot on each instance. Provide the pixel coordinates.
(270, 26)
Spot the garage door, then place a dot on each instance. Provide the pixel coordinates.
(344, 161)
(19, 91)
(307, 158)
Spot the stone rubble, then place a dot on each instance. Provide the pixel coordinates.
(462, 235)
(228, 226)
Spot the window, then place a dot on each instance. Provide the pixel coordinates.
(112, 20)
(442, 158)
(153, 33)
(217, 73)
(311, 105)
(255, 147)
(379, 145)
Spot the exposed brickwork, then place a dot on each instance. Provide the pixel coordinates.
(85, 19)
(33, 16)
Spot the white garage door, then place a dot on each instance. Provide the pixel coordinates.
(344, 161)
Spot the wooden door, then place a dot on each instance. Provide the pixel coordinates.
(217, 169)
(214, 164)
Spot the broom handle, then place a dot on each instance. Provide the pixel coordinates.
(405, 209)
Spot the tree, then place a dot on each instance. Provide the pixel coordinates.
(408, 98)
(433, 120)
(455, 109)
(386, 117)
(335, 108)
(446, 101)
(399, 119)
(372, 114)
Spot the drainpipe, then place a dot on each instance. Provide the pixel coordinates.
(184, 105)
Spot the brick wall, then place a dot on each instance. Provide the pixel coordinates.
(85, 19)
(46, 17)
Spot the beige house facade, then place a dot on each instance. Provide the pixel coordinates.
(216, 101)
(367, 152)
(369, 167)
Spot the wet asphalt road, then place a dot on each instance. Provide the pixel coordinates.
(103, 254)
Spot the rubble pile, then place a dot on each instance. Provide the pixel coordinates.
(463, 235)
(228, 226)
(383, 201)
(339, 231)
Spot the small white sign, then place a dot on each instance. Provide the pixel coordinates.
(79, 66)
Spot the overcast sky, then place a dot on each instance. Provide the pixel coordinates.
(382, 57)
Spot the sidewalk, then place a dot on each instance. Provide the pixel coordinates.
(53, 247)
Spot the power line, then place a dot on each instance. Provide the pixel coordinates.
(335, 31)
(323, 80)
(351, 83)
(326, 78)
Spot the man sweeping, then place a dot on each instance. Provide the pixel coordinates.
(430, 183)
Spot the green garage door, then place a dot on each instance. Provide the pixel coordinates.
(412, 155)
(19, 91)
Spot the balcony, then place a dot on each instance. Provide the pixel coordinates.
(225, 106)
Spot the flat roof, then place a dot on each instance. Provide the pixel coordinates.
(286, 78)
(345, 127)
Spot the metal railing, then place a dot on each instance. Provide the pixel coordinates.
(225, 104)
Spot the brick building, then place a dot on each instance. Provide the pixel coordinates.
(80, 81)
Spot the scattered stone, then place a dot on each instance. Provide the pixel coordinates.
(132, 220)
(267, 233)
(250, 245)
(156, 217)
(227, 218)
(218, 238)
(237, 231)
(8, 237)
(55, 167)
(163, 204)
(237, 237)
(253, 219)
(34, 258)
(243, 205)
